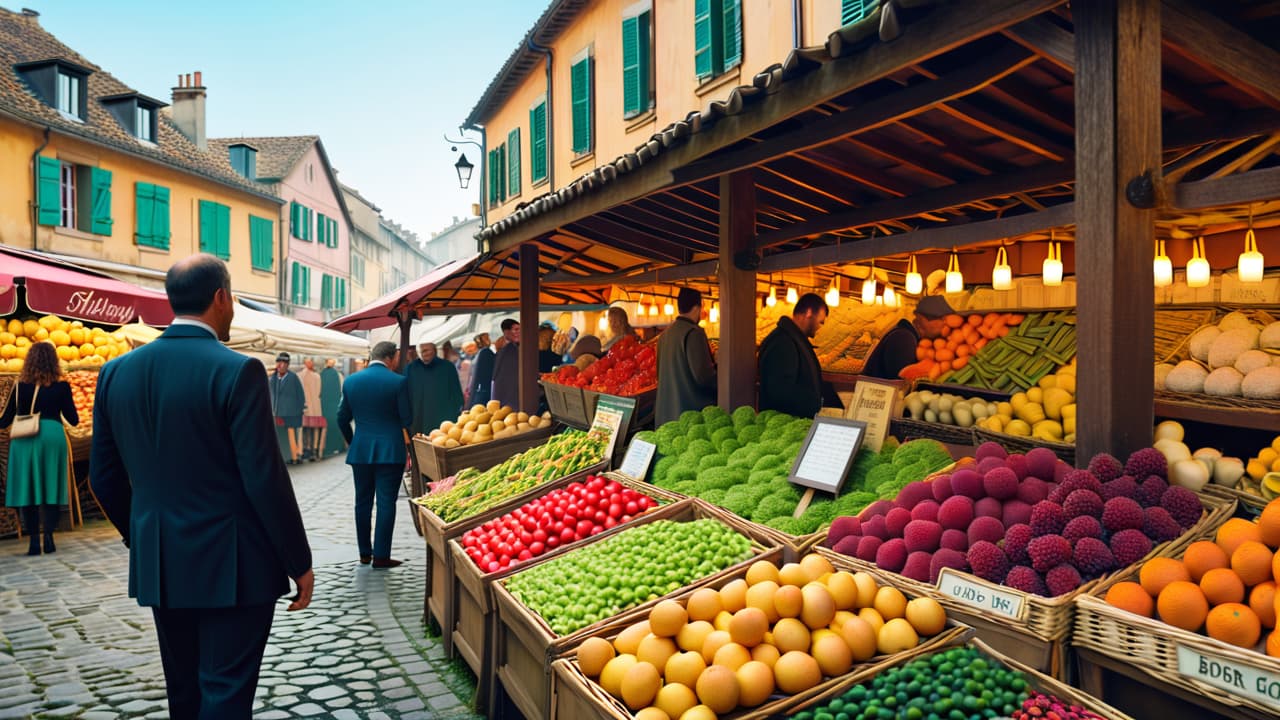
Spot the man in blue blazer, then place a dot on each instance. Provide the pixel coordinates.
(185, 465)
(377, 399)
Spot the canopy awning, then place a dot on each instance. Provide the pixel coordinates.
(68, 291)
(256, 331)
(384, 310)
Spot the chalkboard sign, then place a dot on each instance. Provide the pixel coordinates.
(827, 453)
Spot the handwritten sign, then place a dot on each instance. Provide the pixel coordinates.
(1232, 676)
(635, 464)
(613, 415)
(1007, 603)
(827, 453)
(874, 404)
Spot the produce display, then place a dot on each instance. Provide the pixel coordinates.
(958, 338)
(845, 341)
(1224, 588)
(741, 462)
(602, 579)
(956, 683)
(1030, 522)
(1262, 472)
(84, 386)
(474, 491)
(1194, 470)
(1034, 347)
(566, 515)
(629, 368)
(482, 423)
(778, 630)
(1045, 412)
(1237, 357)
(77, 344)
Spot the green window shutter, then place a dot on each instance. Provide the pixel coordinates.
(513, 162)
(294, 223)
(704, 62)
(580, 91)
(208, 228)
(160, 218)
(224, 232)
(49, 190)
(306, 284)
(630, 66)
(294, 276)
(261, 250)
(502, 172)
(100, 214)
(144, 203)
(321, 228)
(491, 176)
(342, 293)
(538, 142)
(333, 233)
(326, 291)
(731, 19)
(851, 11)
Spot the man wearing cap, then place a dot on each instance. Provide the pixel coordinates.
(506, 367)
(897, 349)
(686, 372)
(790, 376)
(287, 402)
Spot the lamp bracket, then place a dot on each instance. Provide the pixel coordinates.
(1141, 191)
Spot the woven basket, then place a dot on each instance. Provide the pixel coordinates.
(907, 429)
(1019, 444)
(1199, 401)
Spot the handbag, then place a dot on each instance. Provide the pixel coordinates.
(26, 425)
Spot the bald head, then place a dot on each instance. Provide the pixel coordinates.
(192, 282)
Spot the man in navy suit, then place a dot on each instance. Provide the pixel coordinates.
(185, 465)
(378, 400)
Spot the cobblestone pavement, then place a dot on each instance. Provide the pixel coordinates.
(73, 644)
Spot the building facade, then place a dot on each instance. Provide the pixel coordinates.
(408, 260)
(454, 242)
(370, 252)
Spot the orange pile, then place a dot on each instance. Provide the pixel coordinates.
(1225, 588)
(959, 338)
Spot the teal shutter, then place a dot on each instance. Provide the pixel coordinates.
(333, 233)
(501, 174)
(294, 223)
(49, 190)
(144, 203)
(326, 291)
(342, 293)
(223, 213)
(160, 218)
(851, 11)
(321, 228)
(704, 63)
(208, 228)
(293, 283)
(513, 162)
(580, 90)
(491, 176)
(731, 20)
(636, 52)
(260, 243)
(306, 284)
(538, 142)
(100, 207)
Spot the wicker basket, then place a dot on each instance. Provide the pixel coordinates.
(907, 429)
(437, 463)
(1019, 444)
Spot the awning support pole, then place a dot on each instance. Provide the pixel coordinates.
(529, 293)
(737, 356)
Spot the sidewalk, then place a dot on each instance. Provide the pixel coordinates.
(74, 645)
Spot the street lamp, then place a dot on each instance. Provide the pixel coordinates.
(464, 168)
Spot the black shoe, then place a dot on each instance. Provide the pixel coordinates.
(34, 547)
(386, 563)
(48, 545)
(366, 559)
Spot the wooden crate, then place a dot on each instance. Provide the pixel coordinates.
(524, 645)
(644, 405)
(437, 463)
(567, 404)
(438, 533)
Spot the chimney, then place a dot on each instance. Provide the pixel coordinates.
(188, 108)
(29, 13)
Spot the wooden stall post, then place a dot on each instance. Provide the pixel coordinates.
(737, 355)
(529, 292)
(1117, 94)
(405, 320)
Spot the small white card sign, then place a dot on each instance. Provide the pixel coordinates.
(1236, 678)
(874, 403)
(1007, 603)
(635, 464)
(827, 453)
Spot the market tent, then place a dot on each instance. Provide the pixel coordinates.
(262, 332)
(386, 309)
(68, 291)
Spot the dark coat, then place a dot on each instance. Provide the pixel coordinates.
(435, 394)
(185, 465)
(506, 376)
(287, 397)
(686, 372)
(790, 377)
(482, 376)
(377, 399)
(896, 350)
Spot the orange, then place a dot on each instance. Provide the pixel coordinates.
(1275, 567)
(1273, 644)
(1235, 624)
(1159, 572)
(1131, 597)
(1222, 585)
(1252, 562)
(1269, 524)
(1182, 605)
(1234, 532)
(1262, 600)
(1203, 556)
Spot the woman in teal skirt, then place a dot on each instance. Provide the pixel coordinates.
(37, 479)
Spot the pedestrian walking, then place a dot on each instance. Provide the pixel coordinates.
(38, 473)
(288, 402)
(435, 393)
(506, 367)
(686, 372)
(183, 464)
(312, 414)
(377, 400)
(482, 371)
(331, 443)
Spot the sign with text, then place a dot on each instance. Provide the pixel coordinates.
(875, 404)
(613, 415)
(1237, 678)
(635, 464)
(1001, 601)
(827, 453)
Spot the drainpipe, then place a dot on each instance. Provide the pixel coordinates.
(35, 191)
(797, 27)
(484, 178)
(551, 165)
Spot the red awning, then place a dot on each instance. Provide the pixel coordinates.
(62, 289)
(384, 311)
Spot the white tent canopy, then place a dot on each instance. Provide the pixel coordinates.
(261, 332)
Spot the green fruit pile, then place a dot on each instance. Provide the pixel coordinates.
(475, 491)
(601, 580)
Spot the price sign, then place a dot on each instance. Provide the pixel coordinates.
(827, 453)
(636, 463)
(1007, 603)
(874, 403)
(1234, 677)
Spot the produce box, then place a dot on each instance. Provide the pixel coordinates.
(567, 404)
(1032, 679)
(470, 597)
(525, 644)
(438, 463)
(575, 695)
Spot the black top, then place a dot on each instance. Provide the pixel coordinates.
(52, 401)
(547, 361)
(896, 350)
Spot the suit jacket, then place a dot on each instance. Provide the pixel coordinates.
(287, 398)
(506, 375)
(185, 464)
(482, 373)
(790, 376)
(686, 372)
(377, 399)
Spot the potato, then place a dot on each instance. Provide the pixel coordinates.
(455, 433)
(484, 431)
(468, 437)
(451, 443)
(439, 441)
(476, 409)
(470, 426)
(502, 413)
(447, 425)
(496, 426)
(493, 406)
(509, 421)
(522, 417)
(484, 418)
(521, 427)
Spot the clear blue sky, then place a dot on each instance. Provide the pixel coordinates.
(379, 82)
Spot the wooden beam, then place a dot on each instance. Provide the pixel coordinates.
(1006, 130)
(671, 274)
(736, 374)
(1249, 187)
(1046, 38)
(1197, 131)
(530, 293)
(1118, 139)
(1234, 54)
(628, 239)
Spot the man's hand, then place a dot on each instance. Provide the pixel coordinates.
(306, 584)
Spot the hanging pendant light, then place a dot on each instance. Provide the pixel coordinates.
(1001, 273)
(833, 293)
(1198, 271)
(668, 309)
(890, 298)
(714, 314)
(955, 280)
(772, 298)
(1252, 264)
(603, 324)
(792, 295)
(1051, 270)
(1162, 266)
(915, 282)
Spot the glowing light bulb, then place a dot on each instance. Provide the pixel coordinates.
(714, 314)
(1051, 270)
(1162, 267)
(792, 296)
(1001, 273)
(668, 309)
(833, 296)
(869, 291)
(1198, 271)
(915, 281)
(955, 280)
(890, 297)
(653, 310)
(1252, 263)
(604, 321)
(772, 298)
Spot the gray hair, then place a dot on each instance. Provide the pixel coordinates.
(384, 351)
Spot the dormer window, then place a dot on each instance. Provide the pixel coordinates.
(144, 123)
(69, 93)
(136, 113)
(58, 83)
(244, 160)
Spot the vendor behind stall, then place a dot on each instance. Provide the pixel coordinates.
(897, 349)
(790, 376)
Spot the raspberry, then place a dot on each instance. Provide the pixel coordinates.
(1062, 580)
(1122, 514)
(1082, 502)
(1182, 505)
(988, 561)
(1092, 557)
(1085, 526)
(1146, 462)
(1123, 486)
(1021, 577)
(1129, 546)
(1160, 526)
(1105, 467)
(1047, 518)
(1048, 551)
(1016, 538)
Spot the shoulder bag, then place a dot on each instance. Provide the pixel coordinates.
(26, 425)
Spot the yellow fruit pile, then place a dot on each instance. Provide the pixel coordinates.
(1225, 588)
(483, 423)
(1045, 412)
(776, 630)
(75, 342)
(1263, 471)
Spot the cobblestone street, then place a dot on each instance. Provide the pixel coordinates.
(73, 644)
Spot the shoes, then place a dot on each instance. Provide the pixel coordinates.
(386, 563)
(49, 547)
(33, 547)
(366, 559)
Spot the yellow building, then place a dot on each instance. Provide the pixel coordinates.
(101, 175)
(594, 79)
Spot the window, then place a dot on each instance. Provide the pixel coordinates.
(300, 221)
(142, 124)
(244, 160)
(67, 199)
(261, 243)
(357, 270)
(580, 92)
(538, 142)
(73, 196)
(136, 114)
(151, 210)
(333, 292)
(326, 230)
(215, 229)
(637, 66)
(513, 162)
(69, 93)
(497, 175)
(58, 83)
(851, 11)
(300, 285)
(717, 36)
